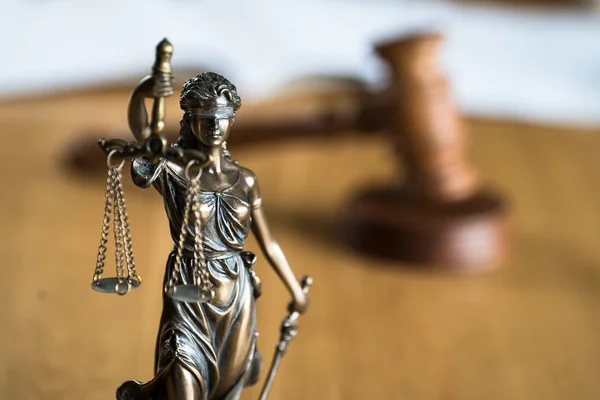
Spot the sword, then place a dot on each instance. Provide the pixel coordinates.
(289, 329)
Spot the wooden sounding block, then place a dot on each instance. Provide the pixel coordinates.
(438, 214)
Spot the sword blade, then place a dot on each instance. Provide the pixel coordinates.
(272, 372)
(289, 328)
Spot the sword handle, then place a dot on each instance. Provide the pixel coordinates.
(161, 70)
(156, 142)
(306, 282)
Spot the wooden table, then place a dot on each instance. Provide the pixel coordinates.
(528, 330)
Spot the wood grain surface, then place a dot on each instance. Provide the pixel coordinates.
(527, 330)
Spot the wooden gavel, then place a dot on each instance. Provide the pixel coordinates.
(438, 214)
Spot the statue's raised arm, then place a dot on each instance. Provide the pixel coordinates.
(157, 86)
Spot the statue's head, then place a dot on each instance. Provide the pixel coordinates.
(210, 102)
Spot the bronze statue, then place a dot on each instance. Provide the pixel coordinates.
(206, 344)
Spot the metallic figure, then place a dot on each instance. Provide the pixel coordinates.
(207, 350)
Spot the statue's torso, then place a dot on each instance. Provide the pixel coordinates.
(225, 327)
(225, 214)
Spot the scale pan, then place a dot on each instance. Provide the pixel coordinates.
(190, 294)
(115, 285)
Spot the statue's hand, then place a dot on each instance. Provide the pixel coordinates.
(163, 86)
(155, 86)
(289, 327)
(299, 303)
(300, 300)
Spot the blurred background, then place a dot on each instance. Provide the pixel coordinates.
(548, 47)
(525, 78)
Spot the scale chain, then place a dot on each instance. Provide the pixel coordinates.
(182, 235)
(126, 234)
(115, 207)
(201, 268)
(117, 224)
(200, 274)
(108, 205)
